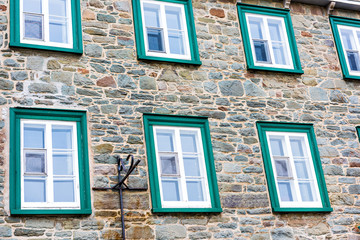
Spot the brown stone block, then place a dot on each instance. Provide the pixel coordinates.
(104, 148)
(140, 232)
(88, 15)
(306, 34)
(106, 200)
(136, 200)
(111, 234)
(107, 81)
(105, 213)
(217, 12)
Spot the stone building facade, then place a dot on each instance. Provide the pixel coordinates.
(115, 88)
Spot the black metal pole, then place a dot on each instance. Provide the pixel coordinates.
(121, 200)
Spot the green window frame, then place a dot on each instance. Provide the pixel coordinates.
(351, 25)
(141, 42)
(17, 115)
(74, 31)
(310, 162)
(286, 35)
(168, 122)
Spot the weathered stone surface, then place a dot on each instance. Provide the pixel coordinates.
(245, 200)
(28, 232)
(140, 232)
(217, 12)
(93, 50)
(231, 88)
(253, 90)
(147, 83)
(282, 234)
(42, 88)
(103, 148)
(170, 232)
(35, 63)
(5, 231)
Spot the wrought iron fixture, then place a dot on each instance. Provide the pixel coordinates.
(120, 186)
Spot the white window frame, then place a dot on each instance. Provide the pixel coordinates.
(357, 45)
(297, 202)
(46, 33)
(49, 180)
(183, 203)
(266, 35)
(163, 26)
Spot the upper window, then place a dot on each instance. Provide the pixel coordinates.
(46, 24)
(165, 31)
(293, 167)
(346, 34)
(181, 167)
(48, 159)
(269, 40)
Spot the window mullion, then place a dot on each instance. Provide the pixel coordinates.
(45, 9)
(268, 38)
(164, 26)
(293, 169)
(181, 165)
(49, 165)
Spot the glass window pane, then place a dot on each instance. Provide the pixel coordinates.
(297, 147)
(301, 169)
(285, 191)
(57, 8)
(151, 14)
(353, 58)
(275, 30)
(63, 164)
(34, 135)
(261, 51)
(34, 162)
(255, 28)
(194, 190)
(58, 30)
(191, 165)
(188, 142)
(347, 39)
(33, 27)
(168, 165)
(155, 40)
(34, 190)
(306, 193)
(176, 42)
(170, 190)
(62, 137)
(173, 17)
(281, 168)
(64, 191)
(32, 6)
(165, 142)
(276, 147)
(279, 53)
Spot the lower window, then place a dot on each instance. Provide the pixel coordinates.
(48, 162)
(293, 167)
(181, 167)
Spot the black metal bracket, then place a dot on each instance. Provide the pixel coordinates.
(120, 186)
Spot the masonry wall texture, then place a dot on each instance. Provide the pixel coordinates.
(115, 88)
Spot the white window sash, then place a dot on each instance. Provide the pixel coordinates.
(297, 202)
(49, 177)
(163, 25)
(357, 46)
(266, 37)
(46, 24)
(184, 202)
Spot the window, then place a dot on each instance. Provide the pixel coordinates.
(48, 162)
(269, 40)
(165, 31)
(46, 24)
(293, 168)
(181, 165)
(346, 35)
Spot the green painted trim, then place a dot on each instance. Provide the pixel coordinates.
(140, 39)
(262, 128)
(334, 22)
(76, 29)
(16, 114)
(180, 121)
(276, 12)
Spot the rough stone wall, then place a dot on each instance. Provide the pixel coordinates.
(115, 88)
